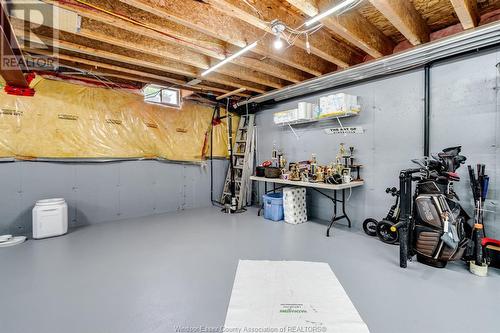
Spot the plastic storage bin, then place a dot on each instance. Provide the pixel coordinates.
(50, 218)
(273, 206)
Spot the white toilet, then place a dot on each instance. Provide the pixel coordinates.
(50, 218)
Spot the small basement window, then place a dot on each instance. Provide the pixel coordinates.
(162, 95)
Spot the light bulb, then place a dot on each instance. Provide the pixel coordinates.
(278, 43)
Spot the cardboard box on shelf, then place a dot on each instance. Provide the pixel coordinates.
(329, 106)
(338, 104)
(281, 117)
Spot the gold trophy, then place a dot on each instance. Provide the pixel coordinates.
(320, 174)
(294, 172)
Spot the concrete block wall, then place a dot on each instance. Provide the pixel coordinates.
(100, 192)
(464, 108)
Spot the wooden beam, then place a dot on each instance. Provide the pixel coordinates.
(208, 20)
(136, 79)
(405, 18)
(159, 29)
(97, 65)
(101, 33)
(308, 7)
(250, 75)
(98, 79)
(62, 44)
(140, 75)
(231, 93)
(200, 87)
(160, 64)
(181, 55)
(273, 68)
(173, 34)
(321, 43)
(351, 26)
(467, 12)
(105, 33)
(178, 54)
(124, 76)
(12, 61)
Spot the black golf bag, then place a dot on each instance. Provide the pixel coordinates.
(433, 226)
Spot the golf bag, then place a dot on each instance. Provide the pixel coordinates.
(433, 226)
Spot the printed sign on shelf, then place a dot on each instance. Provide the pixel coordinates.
(344, 130)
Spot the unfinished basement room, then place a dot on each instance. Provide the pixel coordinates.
(250, 166)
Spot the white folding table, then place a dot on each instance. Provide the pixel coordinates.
(316, 187)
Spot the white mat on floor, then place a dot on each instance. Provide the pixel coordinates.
(290, 296)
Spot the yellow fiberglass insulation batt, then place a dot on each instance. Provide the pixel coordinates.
(68, 120)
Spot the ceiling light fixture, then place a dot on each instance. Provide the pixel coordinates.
(278, 43)
(230, 58)
(278, 27)
(330, 11)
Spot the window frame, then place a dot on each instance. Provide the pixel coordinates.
(161, 89)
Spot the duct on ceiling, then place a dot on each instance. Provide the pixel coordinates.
(487, 35)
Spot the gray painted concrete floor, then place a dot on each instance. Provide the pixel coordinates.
(156, 273)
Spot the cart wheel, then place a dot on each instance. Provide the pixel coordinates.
(370, 227)
(385, 234)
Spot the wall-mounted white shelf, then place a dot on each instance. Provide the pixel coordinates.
(317, 120)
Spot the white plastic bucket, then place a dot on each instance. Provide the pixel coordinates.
(50, 218)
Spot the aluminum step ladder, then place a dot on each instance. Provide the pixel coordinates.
(243, 160)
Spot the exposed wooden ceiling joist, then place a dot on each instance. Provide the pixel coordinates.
(405, 18)
(321, 42)
(158, 64)
(184, 38)
(179, 54)
(105, 33)
(102, 73)
(231, 93)
(467, 12)
(208, 20)
(351, 25)
(96, 66)
(142, 80)
(79, 72)
(93, 60)
(273, 68)
(164, 30)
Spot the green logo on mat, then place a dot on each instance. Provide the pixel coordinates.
(292, 308)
